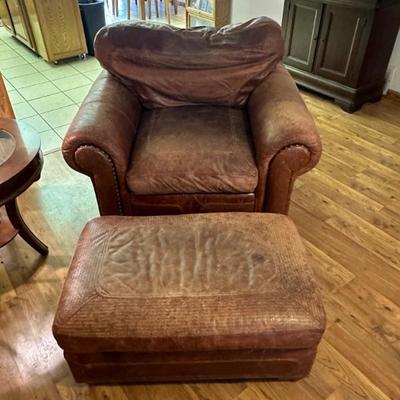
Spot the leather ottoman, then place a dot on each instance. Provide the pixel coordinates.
(190, 297)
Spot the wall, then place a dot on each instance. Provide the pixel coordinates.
(243, 10)
(394, 65)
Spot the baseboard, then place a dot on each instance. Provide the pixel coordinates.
(393, 93)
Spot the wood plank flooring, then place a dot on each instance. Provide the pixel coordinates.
(348, 213)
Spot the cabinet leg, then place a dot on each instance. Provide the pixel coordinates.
(348, 106)
(376, 98)
(23, 230)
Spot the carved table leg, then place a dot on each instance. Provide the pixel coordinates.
(23, 230)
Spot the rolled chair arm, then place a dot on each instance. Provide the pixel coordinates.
(100, 138)
(286, 140)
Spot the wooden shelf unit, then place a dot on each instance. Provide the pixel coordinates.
(213, 13)
(53, 29)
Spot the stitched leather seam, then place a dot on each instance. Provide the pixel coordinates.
(113, 169)
(95, 272)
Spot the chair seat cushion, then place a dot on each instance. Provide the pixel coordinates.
(199, 149)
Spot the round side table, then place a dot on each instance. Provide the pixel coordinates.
(21, 163)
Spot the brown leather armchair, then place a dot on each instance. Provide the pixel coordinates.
(186, 121)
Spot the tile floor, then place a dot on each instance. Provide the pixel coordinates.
(46, 96)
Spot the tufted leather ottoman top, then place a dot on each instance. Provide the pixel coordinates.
(189, 283)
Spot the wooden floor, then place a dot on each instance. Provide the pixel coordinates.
(348, 212)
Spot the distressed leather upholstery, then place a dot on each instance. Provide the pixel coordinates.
(198, 149)
(212, 296)
(186, 121)
(169, 67)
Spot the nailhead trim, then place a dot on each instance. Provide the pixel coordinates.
(114, 172)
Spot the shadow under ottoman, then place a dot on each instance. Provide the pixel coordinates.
(189, 297)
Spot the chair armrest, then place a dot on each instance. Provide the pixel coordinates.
(279, 118)
(285, 137)
(107, 119)
(100, 138)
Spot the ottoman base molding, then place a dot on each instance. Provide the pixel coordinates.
(114, 368)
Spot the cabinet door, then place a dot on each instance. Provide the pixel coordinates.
(342, 43)
(5, 16)
(21, 27)
(35, 28)
(301, 34)
(58, 23)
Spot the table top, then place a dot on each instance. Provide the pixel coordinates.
(7, 146)
(20, 157)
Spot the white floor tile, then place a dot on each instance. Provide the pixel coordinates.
(23, 110)
(60, 117)
(52, 102)
(36, 123)
(28, 80)
(38, 91)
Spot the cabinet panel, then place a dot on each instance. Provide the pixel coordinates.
(36, 28)
(59, 25)
(5, 16)
(302, 33)
(19, 21)
(340, 43)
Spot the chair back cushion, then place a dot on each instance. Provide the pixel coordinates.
(168, 66)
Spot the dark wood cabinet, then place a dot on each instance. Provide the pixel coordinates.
(341, 48)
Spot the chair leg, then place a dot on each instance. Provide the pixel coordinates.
(157, 11)
(167, 10)
(149, 7)
(128, 4)
(142, 10)
(176, 6)
(116, 8)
